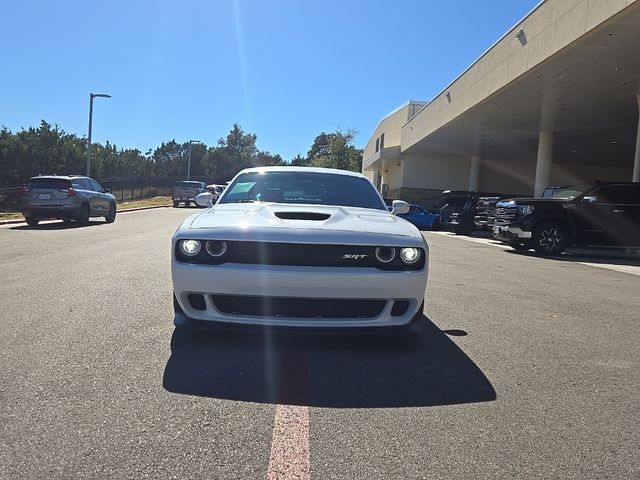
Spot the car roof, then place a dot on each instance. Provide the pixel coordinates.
(334, 171)
(600, 184)
(59, 177)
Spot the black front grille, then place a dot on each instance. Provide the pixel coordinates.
(505, 215)
(297, 307)
(301, 254)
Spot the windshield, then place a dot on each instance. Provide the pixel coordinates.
(565, 193)
(303, 188)
(191, 184)
(51, 183)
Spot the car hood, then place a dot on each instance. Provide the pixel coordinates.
(531, 201)
(306, 223)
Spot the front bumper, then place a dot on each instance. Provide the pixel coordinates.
(318, 283)
(511, 234)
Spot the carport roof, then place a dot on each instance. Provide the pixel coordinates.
(585, 93)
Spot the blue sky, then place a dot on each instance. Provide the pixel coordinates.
(283, 69)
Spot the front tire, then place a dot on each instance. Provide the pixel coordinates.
(187, 204)
(550, 238)
(32, 221)
(463, 230)
(176, 204)
(83, 216)
(111, 216)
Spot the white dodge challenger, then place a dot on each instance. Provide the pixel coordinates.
(299, 247)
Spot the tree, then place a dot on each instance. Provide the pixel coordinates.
(268, 159)
(299, 161)
(233, 153)
(336, 150)
(170, 159)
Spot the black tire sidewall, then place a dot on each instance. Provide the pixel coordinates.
(82, 218)
(111, 218)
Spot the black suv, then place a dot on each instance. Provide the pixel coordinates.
(465, 212)
(605, 214)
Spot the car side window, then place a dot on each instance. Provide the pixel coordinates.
(618, 195)
(95, 186)
(85, 184)
(77, 184)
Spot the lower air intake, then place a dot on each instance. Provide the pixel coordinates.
(297, 307)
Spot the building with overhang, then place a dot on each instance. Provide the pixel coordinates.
(555, 101)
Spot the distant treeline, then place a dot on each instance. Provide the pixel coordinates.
(48, 149)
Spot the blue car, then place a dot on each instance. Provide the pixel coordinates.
(421, 218)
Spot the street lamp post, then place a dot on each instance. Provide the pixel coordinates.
(91, 97)
(189, 158)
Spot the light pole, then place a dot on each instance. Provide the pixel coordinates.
(189, 158)
(91, 97)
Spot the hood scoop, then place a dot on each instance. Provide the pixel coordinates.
(315, 216)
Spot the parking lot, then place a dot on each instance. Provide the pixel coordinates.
(528, 368)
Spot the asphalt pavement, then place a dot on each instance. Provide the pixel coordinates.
(528, 368)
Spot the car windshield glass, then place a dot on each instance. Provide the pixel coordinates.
(568, 193)
(53, 183)
(190, 184)
(303, 188)
(455, 201)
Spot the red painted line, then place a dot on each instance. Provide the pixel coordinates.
(289, 457)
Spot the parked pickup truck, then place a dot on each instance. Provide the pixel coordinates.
(602, 215)
(186, 192)
(465, 212)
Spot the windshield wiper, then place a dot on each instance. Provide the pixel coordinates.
(245, 201)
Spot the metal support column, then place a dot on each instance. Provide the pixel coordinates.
(636, 163)
(544, 162)
(474, 173)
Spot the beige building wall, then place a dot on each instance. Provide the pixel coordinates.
(390, 126)
(393, 175)
(438, 173)
(572, 174)
(518, 177)
(509, 177)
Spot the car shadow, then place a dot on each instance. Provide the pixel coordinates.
(58, 225)
(325, 370)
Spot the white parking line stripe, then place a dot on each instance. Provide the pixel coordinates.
(289, 458)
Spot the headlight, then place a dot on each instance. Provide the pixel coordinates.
(216, 248)
(525, 209)
(189, 248)
(410, 255)
(385, 254)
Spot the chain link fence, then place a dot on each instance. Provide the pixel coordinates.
(125, 190)
(10, 199)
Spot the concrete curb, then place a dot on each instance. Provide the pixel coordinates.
(137, 209)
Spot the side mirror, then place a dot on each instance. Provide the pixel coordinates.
(204, 199)
(399, 206)
(106, 190)
(589, 199)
